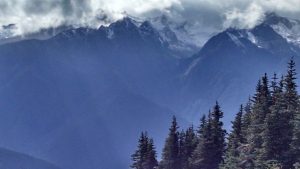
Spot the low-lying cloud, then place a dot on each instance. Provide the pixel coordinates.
(33, 15)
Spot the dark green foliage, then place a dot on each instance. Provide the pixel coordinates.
(235, 140)
(236, 137)
(261, 108)
(291, 95)
(202, 125)
(188, 143)
(150, 162)
(203, 156)
(145, 155)
(210, 149)
(218, 136)
(278, 130)
(170, 154)
(292, 99)
(265, 134)
(246, 119)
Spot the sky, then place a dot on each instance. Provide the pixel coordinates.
(210, 15)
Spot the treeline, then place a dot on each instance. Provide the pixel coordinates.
(265, 134)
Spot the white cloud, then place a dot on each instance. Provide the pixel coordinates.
(210, 15)
(248, 18)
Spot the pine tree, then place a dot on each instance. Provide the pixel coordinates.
(218, 136)
(187, 144)
(246, 120)
(182, 150)
(210, 149)
(261, 107)
(291, 95)
(171, 149)
(292, 99)
(145, 155)
(236, 137)
(278, 130)
(190, 145)
(201, 127)
(150, 161)
(235, 140)
(203, 155)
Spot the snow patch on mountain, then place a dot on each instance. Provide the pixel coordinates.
(185, 31)
(182, 37)
(251, 37)
(292, 35)
(235, 39)
(288, 28)
(191, 66)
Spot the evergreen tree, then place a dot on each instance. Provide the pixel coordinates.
(278, 130)
(171, 149)
(246, 120)
(292, 99)
(235, 140)
(145, 156)
(182, 150)
(203, 156)
(291, 95)
(188, 142)
(202, 125)
(211, 146)
(261, 107)
(150, 161)
(218, 136)
(265, 134)
(191, 142)
(236, 137)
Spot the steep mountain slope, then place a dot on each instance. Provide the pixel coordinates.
(14, 160)
(80, 98)
(227, 67)
(76, 99)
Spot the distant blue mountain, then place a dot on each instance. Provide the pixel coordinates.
(80, 98)
(228, 66)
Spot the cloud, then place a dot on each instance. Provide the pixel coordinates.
(32, 15)
(208, 15)
(247, 18)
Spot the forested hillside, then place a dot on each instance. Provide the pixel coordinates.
(265, 134)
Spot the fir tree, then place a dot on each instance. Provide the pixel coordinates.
(145, 156)
(188, 142)
(292, 99)
(203, 156)
(291, 95)
(235, 140)
(190, 145)
(218, 136)
(236, 137)
(150, 161)
(211, 146)
(182, 150)
(202, 125)
(261, 107)
(278, 130)
(246, 120)
(171, 149)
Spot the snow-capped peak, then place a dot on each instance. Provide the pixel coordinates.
(181, 36)
(185, 32)
(289, 29)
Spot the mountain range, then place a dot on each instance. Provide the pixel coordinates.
(79, 97)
